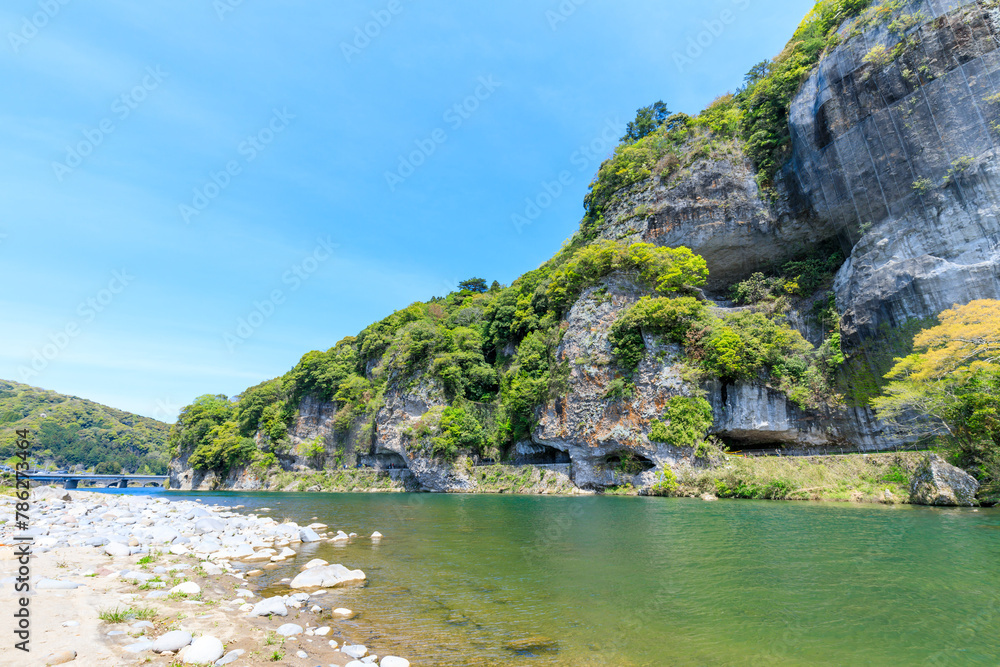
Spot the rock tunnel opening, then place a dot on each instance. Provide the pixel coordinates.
(389, 461)
(536, 454)
(629, 463)
(751, 442)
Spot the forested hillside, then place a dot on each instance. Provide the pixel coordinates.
(69, 431)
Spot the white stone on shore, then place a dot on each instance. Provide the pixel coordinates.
(174, 640)
(244, 593)
(289, 630)
(209, 525)
(187, 588)
(71, 624)
(341, 612)
(308, 535)
(333, 644)
(393, 661)
(60, 657)
(115, 549)
(270, 607)
(302, 654)
(232, 656)
(139, 625)
(286, 553)
(178, 549)
(315, 609)
(204, 651)
(326, 576)
(355, 650)
(322, 632)
(139, 647)
(163, 535)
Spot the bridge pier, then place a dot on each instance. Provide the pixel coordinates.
(123, 483)
(70, 484)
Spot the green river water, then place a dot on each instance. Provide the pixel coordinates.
(650, 581)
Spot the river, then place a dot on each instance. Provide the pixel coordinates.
(650, 581)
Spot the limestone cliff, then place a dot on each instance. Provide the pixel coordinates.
(893, 157)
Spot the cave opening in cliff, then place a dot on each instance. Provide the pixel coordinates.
(752, 443)
(538, 454)
(390, 461)
(629, 462)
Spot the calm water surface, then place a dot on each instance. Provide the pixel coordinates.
(649, 581)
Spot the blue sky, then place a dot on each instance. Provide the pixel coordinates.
(197, 192)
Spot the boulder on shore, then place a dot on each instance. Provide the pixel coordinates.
(937, 482)
(326, 576)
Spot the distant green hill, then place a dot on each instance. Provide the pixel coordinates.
(68, 431)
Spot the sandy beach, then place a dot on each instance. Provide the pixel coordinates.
(127, 580)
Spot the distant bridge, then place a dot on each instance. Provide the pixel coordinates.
(71, 480)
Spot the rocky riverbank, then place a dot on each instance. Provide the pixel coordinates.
(126, 580)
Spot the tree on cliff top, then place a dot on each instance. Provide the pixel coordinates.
(647, 119)
(950, 387)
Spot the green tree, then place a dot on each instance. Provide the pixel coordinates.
(108, 468)
(473, 285)
(647, 119)
(949, 388)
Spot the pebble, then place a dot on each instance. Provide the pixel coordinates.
(232, 656)
(302, 654)
(174, 640)
(270, 607)
(114, 549)
(71, 624)
(289, 630)
(60, 658)
(355, 650)
(393, 661)
(322, 632)
(204, 651)
(139, 647)
(187, 588)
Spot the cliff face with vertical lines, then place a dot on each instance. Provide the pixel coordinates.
(895, 159)
(904, 156)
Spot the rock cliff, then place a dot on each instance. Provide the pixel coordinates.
(893, 158)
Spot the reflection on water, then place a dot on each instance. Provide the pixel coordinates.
(484, 580)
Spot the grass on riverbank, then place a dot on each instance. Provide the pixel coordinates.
(334, 481)
(519, 479)
(853, 477)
